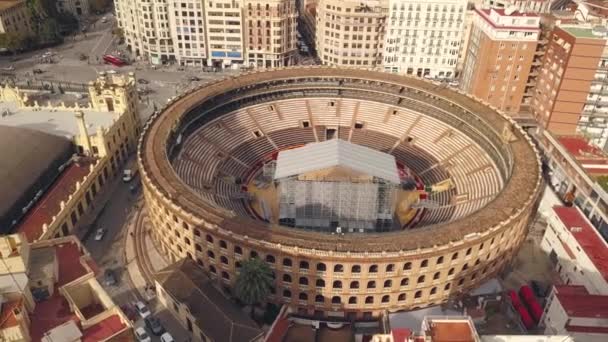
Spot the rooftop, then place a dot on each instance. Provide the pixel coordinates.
(50, 203)
(591, 158)
(7, 313)
(4, 4)
(451, 331)
(582, 305)
(587, 237)
(214, 314)
(57, 122)
(333, 153)
(581, 32)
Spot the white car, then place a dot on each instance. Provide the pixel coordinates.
(142, 335)
(166, 337)
(142, 309)
(99, 234)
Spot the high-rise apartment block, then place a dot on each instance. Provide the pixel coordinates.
(499, 57)
(216, 33)
(572, 92)
(423, 38)
(351, 32)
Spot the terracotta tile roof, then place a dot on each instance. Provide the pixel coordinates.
(104, 329)
(582, 305)
(7, 315)
(49, 205)
(49, 314)
(70, 263)
(401, 334)
(451, 332)
(591, 158)
(587, 237)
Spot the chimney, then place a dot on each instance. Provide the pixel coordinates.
(84, 135)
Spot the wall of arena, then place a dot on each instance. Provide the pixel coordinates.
(357, 276)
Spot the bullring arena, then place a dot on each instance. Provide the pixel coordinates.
(468, 183)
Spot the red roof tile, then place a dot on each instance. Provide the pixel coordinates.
(401, 334)
(587, 237)
(103, 329)
(49, 204)
(49, 314)
(579, 304)
(7, 315)
(70, 265)
(585, 329)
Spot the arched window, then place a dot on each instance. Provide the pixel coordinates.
(369, 300)
(477, 262)
(197, 232)
(303, 281)
(200, 262)
(436, 275)
(238, 250)
(287, 278)
(224, 260)
(270, 259)
(407, 266)
(373, 269)
(420, 279)
(198, 247)
(390, 268)
(337, 284)
(225, 275)
(469, 251)
(352, 300)
(336, 300)
(440, 260)
(304, 265)
(433, 290)
(320, 283)
(451, 271)
(447, 286)
(210, 254)
(237, 264)
(338, 268)
(319, 299)
(455, 256)
(209, 238)
(388, 283)
(371, 284)
(424, 263)
(356, 269)
(286, 293)
(401, 297)
(223, 244)
(405, 281)
(465, 266)
(321, 267)
(386, 298)
(418, 294)
(287, 262)
(253, 254)
(354, 284)
(303, 296)
(187, 241)
(212, 269)
(189, 255)
(460, 282)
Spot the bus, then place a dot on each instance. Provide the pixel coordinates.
(109, 59)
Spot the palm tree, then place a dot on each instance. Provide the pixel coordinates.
(253, 282)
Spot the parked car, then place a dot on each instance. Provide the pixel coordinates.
(142, 335)
(166, 337)
(154, 325)
(193, 79)
(109, 278)
(99, 234)
(142, 81)
(38, 71)
(142, 309)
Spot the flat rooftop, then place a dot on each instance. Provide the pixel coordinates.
(577, 302)
(451, 331)
(61, 122)
(581, 32)
(586, 235)
(590, 158)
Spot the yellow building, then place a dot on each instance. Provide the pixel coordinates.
(103, 131)
(49, 289)
(15, 17)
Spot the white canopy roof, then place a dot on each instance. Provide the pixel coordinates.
(336, 152)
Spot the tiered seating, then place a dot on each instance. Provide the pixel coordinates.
(376, 140)
(292, 136)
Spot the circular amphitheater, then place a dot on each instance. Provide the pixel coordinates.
(473, 175)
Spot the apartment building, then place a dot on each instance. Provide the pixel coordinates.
(351, 32)
(576, 168)
(49, 293)
(572, 310)
(219, 33)
(15, 17)
(572, 91)
(524, 6)
(576, 250)
(499, 57)
(79, 8)
(270, 32)
(424, 38)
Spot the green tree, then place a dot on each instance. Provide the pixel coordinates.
(99, 5)
(49, 31)
(253, 282)
(12, 41)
